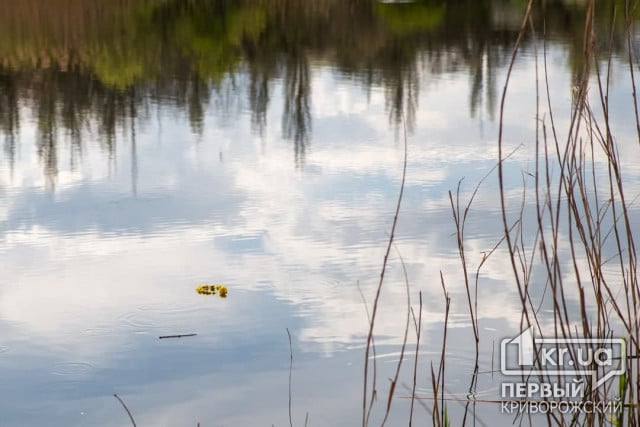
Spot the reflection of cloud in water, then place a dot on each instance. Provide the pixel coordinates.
(91, 257)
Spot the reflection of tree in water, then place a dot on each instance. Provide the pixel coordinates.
(258, 98)
(47, 129)
(402, 90)
(483, 82)
(296, 117)
(472, 39)
(190, 54)
(195, 97)
(65, 105)
(198, 95)
(9, 118)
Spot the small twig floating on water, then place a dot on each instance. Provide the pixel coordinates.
(176, 336)
(126, 409)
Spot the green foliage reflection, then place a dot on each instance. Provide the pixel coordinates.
(405, 18)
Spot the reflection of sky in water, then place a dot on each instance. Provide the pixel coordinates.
(93, 273)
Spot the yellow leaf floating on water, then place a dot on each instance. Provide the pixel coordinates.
(221, 290)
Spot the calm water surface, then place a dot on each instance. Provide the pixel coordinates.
(152, 146)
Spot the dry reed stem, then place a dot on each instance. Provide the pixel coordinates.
(365, 413)
(133, 422)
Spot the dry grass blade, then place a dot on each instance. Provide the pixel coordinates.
(418, 327)
(373, 351)
(505, 221)
(290, 369)
(394, 380)
(435, 415)
(133, 422)
(374, 311)
(438, 382)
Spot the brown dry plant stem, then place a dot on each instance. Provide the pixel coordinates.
(374, 311)
(418, 327)
(583, 222)
(437, 381)
(290, 369)
(394, 380)
(505, 221)
(133, 422)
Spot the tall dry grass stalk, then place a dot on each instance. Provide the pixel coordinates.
(368, 400)
(577, 212)
(576, 257)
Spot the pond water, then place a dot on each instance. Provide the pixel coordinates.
(153, 146)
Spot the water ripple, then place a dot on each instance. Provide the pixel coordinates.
(136, 320)
(72, 368)
(97, 331)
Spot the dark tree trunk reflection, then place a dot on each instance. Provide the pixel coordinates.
(79, 66)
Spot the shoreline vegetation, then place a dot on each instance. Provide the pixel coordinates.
(583, 220)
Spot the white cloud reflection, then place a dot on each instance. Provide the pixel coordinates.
(92, 272)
